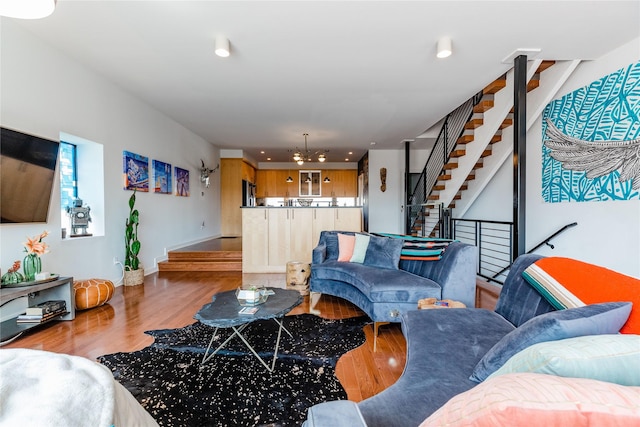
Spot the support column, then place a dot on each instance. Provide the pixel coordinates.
(407, 189)
(519, 154)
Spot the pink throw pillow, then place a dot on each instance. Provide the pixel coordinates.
(346, 243)
(527, 399)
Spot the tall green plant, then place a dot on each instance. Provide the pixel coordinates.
(131, 261)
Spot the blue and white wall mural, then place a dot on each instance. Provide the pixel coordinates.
(591, 141)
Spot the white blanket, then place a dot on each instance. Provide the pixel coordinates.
(39, 388)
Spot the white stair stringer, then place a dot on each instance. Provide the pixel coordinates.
(551, 81)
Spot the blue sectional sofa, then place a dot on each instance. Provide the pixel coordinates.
(446, 347)
(383, 292)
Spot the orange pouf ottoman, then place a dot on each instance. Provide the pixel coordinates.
(92, 293)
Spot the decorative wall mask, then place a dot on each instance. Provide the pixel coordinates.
(383, 179)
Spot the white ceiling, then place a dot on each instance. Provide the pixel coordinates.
(346, 73)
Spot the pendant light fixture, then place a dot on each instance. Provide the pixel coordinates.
(27, 9)
(300, 156)
(326, 180)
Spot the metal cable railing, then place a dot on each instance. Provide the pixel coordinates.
(451, 130)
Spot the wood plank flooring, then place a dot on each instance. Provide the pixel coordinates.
(170, 299)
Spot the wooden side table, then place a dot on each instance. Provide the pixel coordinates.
(429, 303)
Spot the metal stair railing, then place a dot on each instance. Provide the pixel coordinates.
(451, 130)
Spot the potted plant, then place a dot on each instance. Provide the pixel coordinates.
(133, 271)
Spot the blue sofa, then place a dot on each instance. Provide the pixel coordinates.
(443, 348)
(386, 293)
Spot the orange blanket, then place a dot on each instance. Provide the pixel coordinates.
(568, 283)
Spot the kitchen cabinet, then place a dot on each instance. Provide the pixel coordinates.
(232, 172)
(271, 237)
(273, 183)
(344, 183)
(255, 240)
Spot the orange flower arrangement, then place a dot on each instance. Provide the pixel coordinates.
(35, 245)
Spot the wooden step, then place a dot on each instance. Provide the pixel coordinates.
(486, 153)
(433, 197)
(450, 166)
(496, 85)
(200, 266)
(495, 138)
(464, 187)
(444, 177)
(439, 187)
(457, 197)
(479, 165)
(458, 153)
(507, 122)
(471, 176)
(465, 139)
(474, 123)
(219, 260)
(483, 106)
(534, 82)
(544, 65)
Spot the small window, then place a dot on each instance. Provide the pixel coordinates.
(81, 187)
(68, 174)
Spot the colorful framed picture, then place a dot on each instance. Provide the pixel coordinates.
(136, 171)
(161, 177)
(182, 182)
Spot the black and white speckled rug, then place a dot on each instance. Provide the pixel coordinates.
(234, 388)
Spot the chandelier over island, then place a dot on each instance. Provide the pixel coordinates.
(306, 156)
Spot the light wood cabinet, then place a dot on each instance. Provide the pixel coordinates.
(232, 172)
(274, 236)
(255, 240)
(273, 183)
(344, 183)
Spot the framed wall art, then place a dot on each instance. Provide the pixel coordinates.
(182, 182)
(136, 171)
(161, 177)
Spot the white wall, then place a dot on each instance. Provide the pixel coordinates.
(385, 208)
(608, 233)
(44, 93)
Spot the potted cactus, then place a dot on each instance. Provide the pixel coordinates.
(133, 271)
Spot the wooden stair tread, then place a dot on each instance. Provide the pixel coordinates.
(544, 65)
(458, 153)
(200, 266)
(465, 139)
(204, 256)
(474, 123)
(450, 166)
(444, 177)
(496, 85)
(483, 106)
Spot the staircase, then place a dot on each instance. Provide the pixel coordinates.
(473, 147)
(204, 257)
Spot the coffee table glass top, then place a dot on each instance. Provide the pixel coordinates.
(222, 311)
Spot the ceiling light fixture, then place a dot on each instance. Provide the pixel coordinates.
(300, 156)
(444, 47)
(222, 46)
(27, 9)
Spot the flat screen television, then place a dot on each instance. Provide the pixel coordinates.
(27, 171)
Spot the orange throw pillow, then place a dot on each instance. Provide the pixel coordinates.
(346, 243)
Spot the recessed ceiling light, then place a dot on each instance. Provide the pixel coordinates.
(373, 143)
(262, 152)
(346, 160)
(222, 46)
(350, 153)
(268, 158)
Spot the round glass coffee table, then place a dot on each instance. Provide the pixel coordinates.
(223, 312)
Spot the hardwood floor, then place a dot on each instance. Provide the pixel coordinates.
(170, 299)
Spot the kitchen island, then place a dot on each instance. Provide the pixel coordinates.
(274, 235)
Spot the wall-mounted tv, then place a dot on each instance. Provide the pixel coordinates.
(27, 171)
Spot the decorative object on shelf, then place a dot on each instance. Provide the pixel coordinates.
(133, 272)
(13, 275)
(35, 248)
(252, 296)
(305, 156)
(383, 179)
(305, 202)
(205, 172)
(80, 218)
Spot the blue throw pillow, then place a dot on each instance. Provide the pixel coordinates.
(383, 252)
(594, 319)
